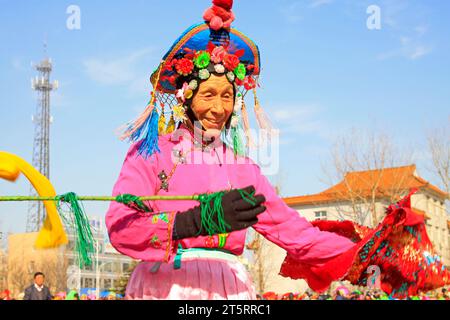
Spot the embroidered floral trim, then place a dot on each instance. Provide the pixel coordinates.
(169, 247)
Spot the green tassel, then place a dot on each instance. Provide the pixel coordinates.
(133, 201)
(79, 221)
(211, 207)
(238, 146)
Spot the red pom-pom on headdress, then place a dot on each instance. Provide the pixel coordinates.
(220, 15)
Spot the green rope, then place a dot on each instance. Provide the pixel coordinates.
(94, 198)
(211, 209)
(84, 245)
(133, 202)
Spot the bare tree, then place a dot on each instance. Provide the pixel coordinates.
(18, 277)
(55, 269)
(374, 154)
(439, 148)
(261, 269)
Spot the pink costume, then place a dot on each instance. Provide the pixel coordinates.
(171, 164)
(148, 237)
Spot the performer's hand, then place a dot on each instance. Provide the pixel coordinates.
(238, 214)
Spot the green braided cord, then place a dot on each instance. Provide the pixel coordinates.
(249, 197)
(85, 240)
(211, 208)
(133, 202)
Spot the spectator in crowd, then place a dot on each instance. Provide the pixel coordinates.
(38, 291)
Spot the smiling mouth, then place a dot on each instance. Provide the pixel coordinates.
(214, 123)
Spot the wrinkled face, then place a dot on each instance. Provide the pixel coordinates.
(39, 280)
(213, 102)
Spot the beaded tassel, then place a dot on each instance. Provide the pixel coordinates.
(145, 127)
(149, 142)
(162, 122)
(171, 124)
(263, 121)
(246, 125)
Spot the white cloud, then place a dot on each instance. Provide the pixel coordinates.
(289, 113)
(294, 120)
(292, 12)
(108, 73)
(17, 64)
(409, 49)
(391, 10)
(115, 71)
(140, 84)
(405, 41)
(401, 17)
(421, 30)
(319, 3)
(419, 52)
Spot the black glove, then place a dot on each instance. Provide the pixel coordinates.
(238, 214)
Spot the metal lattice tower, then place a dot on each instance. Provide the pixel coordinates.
(41, 146)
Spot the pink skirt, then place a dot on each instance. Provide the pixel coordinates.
(199, 278)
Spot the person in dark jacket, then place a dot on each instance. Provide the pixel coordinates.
(38, 291)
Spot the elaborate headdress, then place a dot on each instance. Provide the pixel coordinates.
(212, 47)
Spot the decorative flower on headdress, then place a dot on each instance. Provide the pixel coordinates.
(231, 61)
(184, 66)
(218, 54)
(200, 64)
(240, 71)
(202, 60)
(185, 93)
(179, 113)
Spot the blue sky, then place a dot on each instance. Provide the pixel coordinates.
(324, 72)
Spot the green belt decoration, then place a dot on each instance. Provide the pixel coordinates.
(222, 239)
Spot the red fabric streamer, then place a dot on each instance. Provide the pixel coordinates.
(399, 247)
